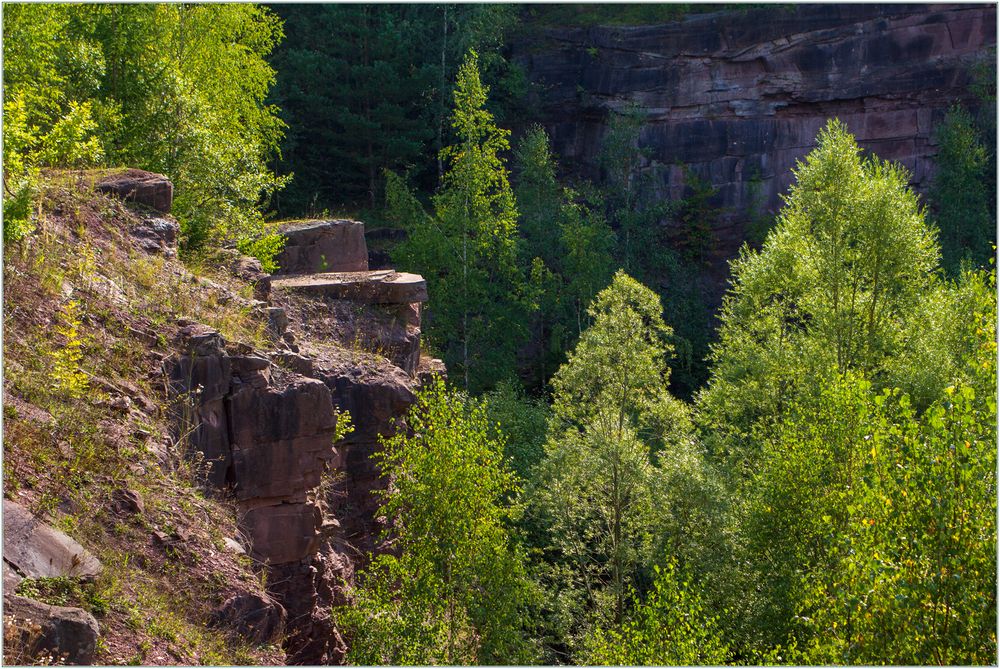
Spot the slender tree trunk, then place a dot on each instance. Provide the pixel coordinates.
(617, 539)
(465, 310)
(441, 96)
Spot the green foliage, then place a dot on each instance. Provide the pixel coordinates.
(615, 486)
(950, 326)
(832, 289)
(908, 574)
(17, 205)
(521, 421)
(670, 628)
(630, 203)
(265, 248)
(365, 88)
(401, 206)
(44, 124)
(454, 590)
(660, 255)
(960, 193)
(468, 248)
(585, 264)
(569, 245)
(67, 376)
(872, 528)
(695, 214)
(177, 89)
(538, 195)
(350, 85)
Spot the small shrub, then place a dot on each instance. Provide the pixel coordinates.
(67, 377)
(266, 249)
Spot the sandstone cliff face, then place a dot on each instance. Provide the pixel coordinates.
(265, 421)
(738, 97)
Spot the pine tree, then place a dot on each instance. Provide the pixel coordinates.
(468, 248)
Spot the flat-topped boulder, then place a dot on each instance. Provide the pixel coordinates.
(323, 246)
(374, 287)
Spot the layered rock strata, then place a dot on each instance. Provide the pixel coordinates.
(264, 422)
(738, 97)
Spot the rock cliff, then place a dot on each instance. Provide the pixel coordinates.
(266, 421)
(739, 96)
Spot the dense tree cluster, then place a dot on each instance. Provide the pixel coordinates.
(829, 496)
(177, 89)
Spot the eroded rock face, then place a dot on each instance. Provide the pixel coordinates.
(738, 97)
(266, 423)
(200, 376)
(146, 188)
(282, 438)
(377, 401)
(323, 246)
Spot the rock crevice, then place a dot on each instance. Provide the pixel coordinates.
(265, 423)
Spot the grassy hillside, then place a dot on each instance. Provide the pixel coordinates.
(88, 320)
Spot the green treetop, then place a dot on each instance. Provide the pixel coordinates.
(468, 248)
(832, 289)
(617, 458)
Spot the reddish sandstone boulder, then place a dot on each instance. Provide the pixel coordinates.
(146, 188)
(323, 246)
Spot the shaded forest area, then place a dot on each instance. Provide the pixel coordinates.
(614, 474)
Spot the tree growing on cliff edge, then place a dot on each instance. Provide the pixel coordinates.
(171, 88)
(454, 589)
(468, 248)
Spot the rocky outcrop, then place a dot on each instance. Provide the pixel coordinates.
(256, 618)
(200, 375)
(146, 188)
(392, 318)
(266, 432)
(34, 549)
(264, 422)
(378, 287)
(66, 633)
(737, 97)
(157, 235)
(323, 246)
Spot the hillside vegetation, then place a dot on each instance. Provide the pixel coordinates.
(89, 318)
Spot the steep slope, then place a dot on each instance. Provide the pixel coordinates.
(181, 424)
(91, 300)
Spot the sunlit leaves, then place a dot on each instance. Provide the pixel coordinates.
(454, 589)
